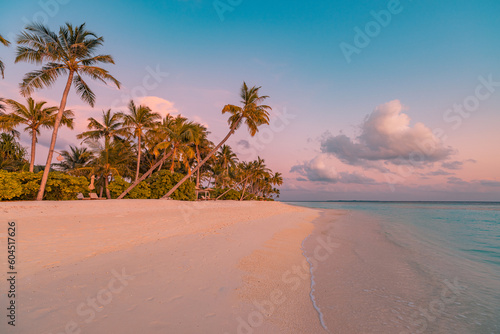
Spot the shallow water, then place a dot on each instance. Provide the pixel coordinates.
(432, 250)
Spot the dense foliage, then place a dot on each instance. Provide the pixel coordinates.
(160, 182)
(25, 185)
(143, 190)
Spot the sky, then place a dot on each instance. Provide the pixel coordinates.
(372, 100)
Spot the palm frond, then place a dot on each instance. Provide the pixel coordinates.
(83, 90)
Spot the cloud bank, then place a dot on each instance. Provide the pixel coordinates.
(321, 169)
(386, 135)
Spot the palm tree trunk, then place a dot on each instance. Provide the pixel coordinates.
(172, 167)
(59, 116)
(243, 191)
(108, 193)
(33, 146)
(138, 157)
(132, 186)
(198, 158)
(230, 188)
(233, 128)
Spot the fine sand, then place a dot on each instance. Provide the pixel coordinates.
(153, 266)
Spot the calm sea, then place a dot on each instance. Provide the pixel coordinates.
(457, 241)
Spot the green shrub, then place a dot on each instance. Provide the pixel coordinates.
(161, 182)
(142, 190)
(10, 187)
(60, 186)
(230, 195)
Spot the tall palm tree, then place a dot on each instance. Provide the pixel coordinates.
(71, 52)
(251, 112)
(2, 66)
(139, 120)
(201, 144)
(34, 116)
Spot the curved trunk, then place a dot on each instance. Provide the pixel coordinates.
(133, 185)
(138, 157)
(33, 146)
(230, 188)
(59, 116)
(243, 191)
(233, 128)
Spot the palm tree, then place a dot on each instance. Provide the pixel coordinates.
(251, 112)
(75, 158)
(276, 179)
(227, 158)
(112, 159)
(258, 172)
(5, 127)
(138, 120)
(71, 52)
(201, 144)
(179, 136)
(110, 128)
(12, 154)
(34, 116)
(156, 135)
(6, 43)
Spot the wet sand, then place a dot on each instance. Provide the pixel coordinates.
(367, 284)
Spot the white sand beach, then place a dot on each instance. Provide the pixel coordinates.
(153, 266)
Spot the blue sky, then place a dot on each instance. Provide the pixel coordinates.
(428, 57)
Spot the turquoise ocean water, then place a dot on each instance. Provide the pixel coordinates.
(457, 241)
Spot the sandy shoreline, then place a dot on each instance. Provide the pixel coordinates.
(144, 266)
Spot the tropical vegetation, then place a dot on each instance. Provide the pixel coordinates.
(134, 153)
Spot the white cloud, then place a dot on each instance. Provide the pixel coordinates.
(386, 135)
(322, 169)
(159, 105)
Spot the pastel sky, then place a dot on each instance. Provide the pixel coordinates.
(372, 100)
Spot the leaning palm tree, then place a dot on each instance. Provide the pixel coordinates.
(139, 120)
(70, 52)
(2, 66)
(34, 116)
(251, 112)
